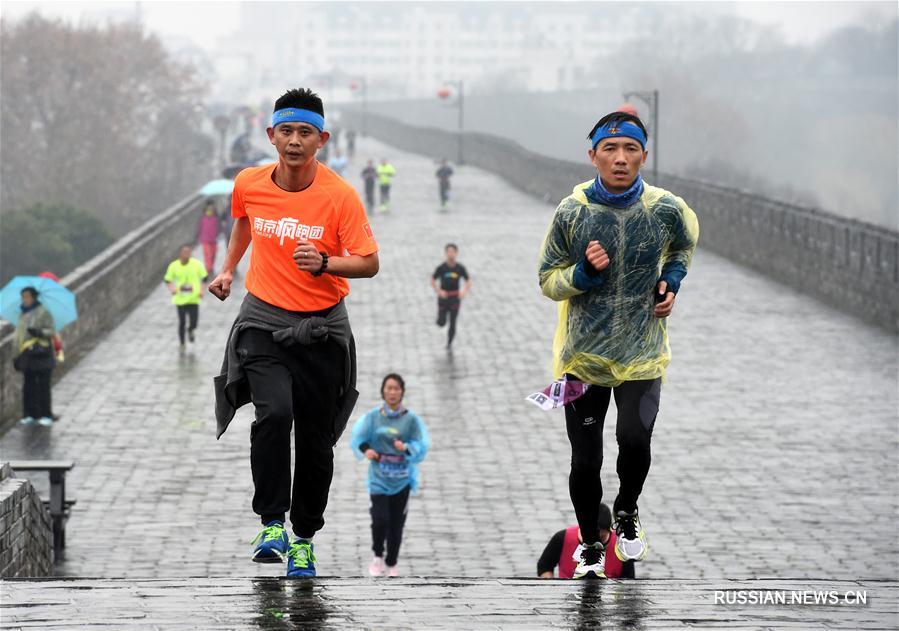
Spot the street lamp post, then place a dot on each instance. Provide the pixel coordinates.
(222, 122)
(460, 103)
(651, 98)
(325, 79)
(361, 84)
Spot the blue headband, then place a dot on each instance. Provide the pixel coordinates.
(294, 115)
(618, 129)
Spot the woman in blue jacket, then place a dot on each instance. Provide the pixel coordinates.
(394, 440)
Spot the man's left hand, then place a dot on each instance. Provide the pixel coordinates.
(663, 309)
(399, 445)
(307, 257)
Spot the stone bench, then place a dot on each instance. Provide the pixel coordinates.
(58, 505)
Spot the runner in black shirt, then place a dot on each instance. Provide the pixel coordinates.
(368, 176)
(449, 295)
(443, 175)
(351, 143)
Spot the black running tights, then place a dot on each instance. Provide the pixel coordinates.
(638, 405)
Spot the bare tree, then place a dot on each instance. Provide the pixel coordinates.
(100, 118)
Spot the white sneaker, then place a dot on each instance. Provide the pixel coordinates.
(630, 543)
(27, 420)
(46, 421)
(393, 571)
(376, 567)
(591, 561)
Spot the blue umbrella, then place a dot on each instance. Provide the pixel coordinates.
(58, 300)
(218, 187)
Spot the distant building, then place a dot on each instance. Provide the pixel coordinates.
(407, 50)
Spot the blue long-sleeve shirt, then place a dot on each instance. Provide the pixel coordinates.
(378, 429)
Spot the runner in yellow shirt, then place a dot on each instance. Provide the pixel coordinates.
(386, 172)
(185, 277)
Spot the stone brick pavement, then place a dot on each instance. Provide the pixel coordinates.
(355, 603)
(775, 452)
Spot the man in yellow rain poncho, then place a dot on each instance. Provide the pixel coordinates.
(614, 258)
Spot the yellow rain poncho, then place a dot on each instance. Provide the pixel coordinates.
(608, 334)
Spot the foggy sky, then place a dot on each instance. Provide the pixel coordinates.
(204, 23)
(815, 163)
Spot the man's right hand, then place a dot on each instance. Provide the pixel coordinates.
(221, 286)
(596, 256)
(371, 454)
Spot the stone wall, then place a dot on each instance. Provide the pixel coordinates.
(26, 532)
(848, 264)
(107, 287)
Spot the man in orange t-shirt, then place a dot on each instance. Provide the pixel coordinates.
(290, 350)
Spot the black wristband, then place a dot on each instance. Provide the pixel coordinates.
(324, 266)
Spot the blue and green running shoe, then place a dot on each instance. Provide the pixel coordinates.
(271, 543)
(300, 559)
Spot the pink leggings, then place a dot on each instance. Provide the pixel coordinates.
(209, 256)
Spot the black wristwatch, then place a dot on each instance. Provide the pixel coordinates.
(324, 266)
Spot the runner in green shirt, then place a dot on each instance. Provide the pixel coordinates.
(185, 277)
(386, 172)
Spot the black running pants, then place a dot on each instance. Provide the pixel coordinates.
(448, 308)
(294, 387)
(388, 516)
(185, 313)
(638, 405)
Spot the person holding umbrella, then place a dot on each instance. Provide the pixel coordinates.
(38, 306)
(223, 223)
(35, 359)
(208, 229)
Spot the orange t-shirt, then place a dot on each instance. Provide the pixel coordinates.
(328, 213)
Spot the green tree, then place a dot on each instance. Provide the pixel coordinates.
(51, 237)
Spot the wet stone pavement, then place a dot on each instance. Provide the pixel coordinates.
(407, 603)
(774, 455)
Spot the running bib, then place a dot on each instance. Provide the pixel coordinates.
(393, 466)
(558, 394)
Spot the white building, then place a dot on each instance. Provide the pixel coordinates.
(408, 50)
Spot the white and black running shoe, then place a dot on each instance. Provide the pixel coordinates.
(591, 561)
(630, 543)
